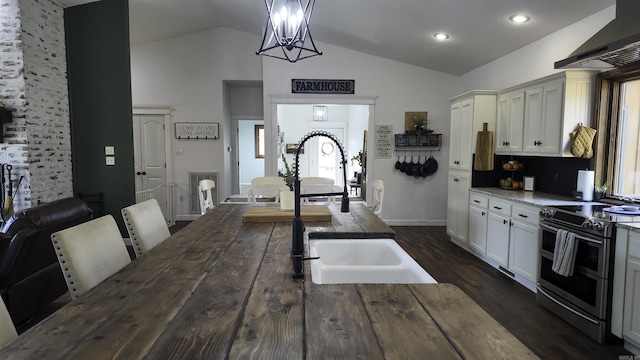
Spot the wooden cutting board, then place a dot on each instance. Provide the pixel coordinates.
(484, 150)
(271, 213)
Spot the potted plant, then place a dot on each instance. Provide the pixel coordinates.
(359, 158)
(601, 191)
(289, 174)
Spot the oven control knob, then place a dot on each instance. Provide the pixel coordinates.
(599, 226)
(546, 213)
(589, 224)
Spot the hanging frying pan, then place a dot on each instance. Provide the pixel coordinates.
(416, 168)
(409, 169)
(404, 165)
(398, 163)
(431, 166)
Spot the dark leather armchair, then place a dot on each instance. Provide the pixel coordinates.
(30, 276)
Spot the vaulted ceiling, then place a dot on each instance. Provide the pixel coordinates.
(401, 30)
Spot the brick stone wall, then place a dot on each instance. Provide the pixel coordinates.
(33, 84)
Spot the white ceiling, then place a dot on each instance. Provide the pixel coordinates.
(396, 29)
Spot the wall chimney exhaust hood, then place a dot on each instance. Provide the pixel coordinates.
(617, 44)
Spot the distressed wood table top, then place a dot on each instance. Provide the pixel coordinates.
(221, 288)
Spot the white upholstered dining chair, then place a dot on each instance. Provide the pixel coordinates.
(146, 225)
(7, 330)
(377, 197)
(317, 180)
(205, 187)
(89, 253)
(266, 186)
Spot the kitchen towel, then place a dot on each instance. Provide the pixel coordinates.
(585, 184)
(484, 150)
(564, 253)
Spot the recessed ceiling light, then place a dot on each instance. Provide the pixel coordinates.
(441, 36)
(519, 18)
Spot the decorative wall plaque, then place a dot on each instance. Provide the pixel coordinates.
(196, 131)
(322, 86)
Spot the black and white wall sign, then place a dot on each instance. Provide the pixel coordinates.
(320, 86)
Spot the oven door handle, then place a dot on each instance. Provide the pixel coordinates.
(555, 229)
(566, 307)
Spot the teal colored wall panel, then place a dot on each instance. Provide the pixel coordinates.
(98, 65)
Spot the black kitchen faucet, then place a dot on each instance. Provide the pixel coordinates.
(297, 241)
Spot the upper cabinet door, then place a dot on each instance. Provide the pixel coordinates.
(510, 123)
(533, 120)
(503, 124)
(516, 118)
(552, 110)
(466, 128)
(454, 146)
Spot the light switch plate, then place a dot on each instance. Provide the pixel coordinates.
(109, 150)
(110, 160)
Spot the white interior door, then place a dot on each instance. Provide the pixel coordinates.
(150, 158)
(324, 156)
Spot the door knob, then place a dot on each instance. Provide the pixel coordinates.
(138, 173)
(144, 173)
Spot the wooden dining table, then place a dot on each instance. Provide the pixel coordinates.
(222, 288)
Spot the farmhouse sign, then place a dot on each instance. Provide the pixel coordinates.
(196, 131)
(319, 86)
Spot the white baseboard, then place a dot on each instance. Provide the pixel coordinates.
(632, 347)
(415, 222)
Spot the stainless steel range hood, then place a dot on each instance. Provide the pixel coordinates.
(617, 44)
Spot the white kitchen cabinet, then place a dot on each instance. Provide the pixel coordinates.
(524, 242)
(631, 331)
(510, 122)
(537, 118)
(478, 215)
(498, 231)
(468, 112)
(513, 239)
(458, 205)
(498, 238)
(543, 118)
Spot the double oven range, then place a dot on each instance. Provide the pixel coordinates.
(584, 298)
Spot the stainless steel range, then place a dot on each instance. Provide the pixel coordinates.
(583, 298)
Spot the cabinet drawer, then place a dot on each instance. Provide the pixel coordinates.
(478, 200)
(500, 207)
(529, 215)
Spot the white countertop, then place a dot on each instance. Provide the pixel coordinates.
(532, 198)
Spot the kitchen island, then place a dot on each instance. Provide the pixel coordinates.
(222, 288)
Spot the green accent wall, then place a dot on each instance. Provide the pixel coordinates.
(99, 74)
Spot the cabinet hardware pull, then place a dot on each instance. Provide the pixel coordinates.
(497, 208)
(476, 201)
(524, 216)
(504, 221)
(483, 213)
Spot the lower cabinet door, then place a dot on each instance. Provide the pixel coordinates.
(498, 238)
(478, 229)
(524, 250)
(631, 330)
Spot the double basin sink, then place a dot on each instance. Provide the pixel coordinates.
(364, 261)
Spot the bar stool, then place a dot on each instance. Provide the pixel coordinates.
(89, 253)
(146, 225)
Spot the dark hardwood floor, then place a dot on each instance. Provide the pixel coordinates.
(508, 302)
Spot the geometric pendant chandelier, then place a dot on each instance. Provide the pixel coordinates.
(287, 31)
